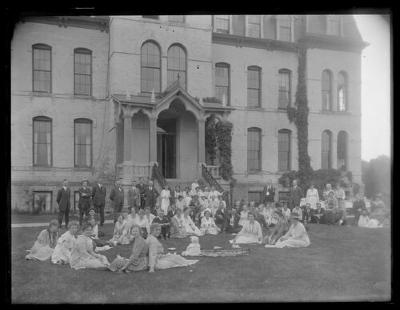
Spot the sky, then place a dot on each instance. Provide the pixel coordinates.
(375, 86)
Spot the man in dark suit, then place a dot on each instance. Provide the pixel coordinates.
(142, 191)
(117, 198)
(99, 200)
(296, 193)
(233, 222)
(221, 217)
(64, 204)
(85, 195)
(150, 197)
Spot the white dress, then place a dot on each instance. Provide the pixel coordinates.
(81, 257)
(243, 217)
(297, 237)
(208, 226)
(312, 197)
(63, 249)
(190, 227)
(250, 233)
(165, 195)
(365, 221)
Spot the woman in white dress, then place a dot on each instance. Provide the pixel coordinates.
(243, 215)
(250, 233)
(157, 258)
(312, 196)
(296, 237)
(207, 224)
(62, 252)
(119, 230)
(165, 196)
(45, 243)
(188, 224)
(268, 213)
(365, 221)
(213, 206)
(83, 256)
(143, 223)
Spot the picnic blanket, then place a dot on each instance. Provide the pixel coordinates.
(222, 253)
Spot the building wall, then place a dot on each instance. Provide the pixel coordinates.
(187, 147)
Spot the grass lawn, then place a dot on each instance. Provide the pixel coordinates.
(341, 264)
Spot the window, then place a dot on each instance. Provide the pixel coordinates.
(254, 26)
(285, 28)
(42, 141)
(222, 87)
(221, 23)
(326, 90)
(150, 68)
(42, 202)
(83, 143)
(254, 196)
(151, 16)
(326, 146)
(342, 91)
(253, 149)
(342, 141)
(333, 25)
(176, 18)
(41, 65)
(253, 86)
(284, 155)
(176, 65)
(284, 89)
(82, 72)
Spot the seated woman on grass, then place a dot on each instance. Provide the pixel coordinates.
(95, 233)
(143, 223)
(208, 225)
(243, 214)
(279, 229)
(157, 258)
(365, 221)
(83, 255)
(250, 233)
(62, 252)
(138, 259)
(188, 224)
(296, 237)
(119, 229)
(45, 243)
(177, 228)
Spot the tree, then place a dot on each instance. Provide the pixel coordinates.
(376, 176)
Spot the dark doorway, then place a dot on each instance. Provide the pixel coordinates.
(166, 146)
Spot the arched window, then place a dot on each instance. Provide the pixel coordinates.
(41, 68)
(342, 91)
(176, 65)
(284, 150)
(285, 91)
(83, 143)
(222, 82)
(326, 150)
(342, 143)
(254, 86)
(150, 67)
(82, 71)
(326, 90)
(253, 149)
(42, 141)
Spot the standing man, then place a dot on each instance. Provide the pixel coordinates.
(84, 201)
(99, 200)
(117, 198)
(142, 191)
(151, 197)
(134, 197)
(269, 191)
(64, 204)
(296, 193)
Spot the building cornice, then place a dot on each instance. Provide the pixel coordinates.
(97, 22)
(332, 43)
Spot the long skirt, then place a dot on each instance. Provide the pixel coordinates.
(90, 262)
(292, 243)
(137, 265)
(61, 255)
(40, 252)
(209, 231)
(247, 239)
(169, 260)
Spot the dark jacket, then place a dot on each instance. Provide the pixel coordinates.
(134, 197)
(221, 215)
(117, 196)
(295, 196)
(85, 195)
(63, 199)
(98, 195)
(150, 197)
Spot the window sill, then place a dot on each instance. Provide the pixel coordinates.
(41, 94)
(254, 172)
(83, 168)
(42, 168)
(255, 108)
(90, 97)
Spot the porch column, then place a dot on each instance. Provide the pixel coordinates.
(127, 137)
(153, 139)
(201, 141)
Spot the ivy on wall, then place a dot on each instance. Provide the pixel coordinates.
(211, 140)
(223, 131)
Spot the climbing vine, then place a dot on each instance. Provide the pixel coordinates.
(211, 140)
(223, 131)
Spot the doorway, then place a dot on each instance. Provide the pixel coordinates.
(166, 147)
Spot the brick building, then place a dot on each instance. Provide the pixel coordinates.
(111, 96)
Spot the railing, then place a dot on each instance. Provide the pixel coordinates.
(157, 175)
(213, 182)
(214, 171)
